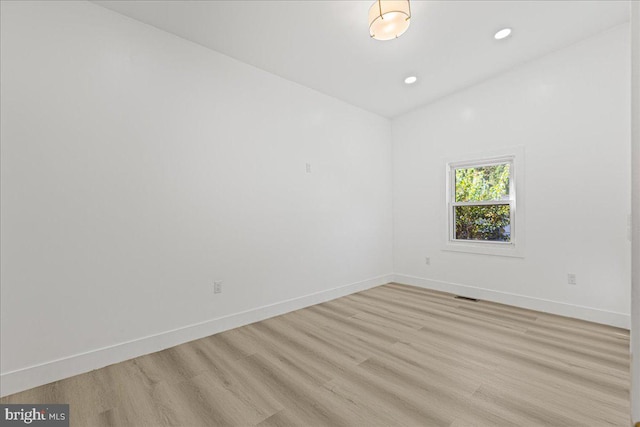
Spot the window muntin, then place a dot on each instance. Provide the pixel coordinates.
(482, 201)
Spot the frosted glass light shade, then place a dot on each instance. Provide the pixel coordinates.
(389, 19)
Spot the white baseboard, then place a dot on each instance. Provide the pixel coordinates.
(33, 376)
(619, 320)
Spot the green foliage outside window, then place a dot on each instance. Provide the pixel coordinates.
(483, 222)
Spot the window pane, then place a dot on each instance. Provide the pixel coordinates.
(488, 222)
(484, 183)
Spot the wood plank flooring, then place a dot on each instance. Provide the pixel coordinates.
(394, 355)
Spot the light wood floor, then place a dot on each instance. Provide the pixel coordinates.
(394, 355)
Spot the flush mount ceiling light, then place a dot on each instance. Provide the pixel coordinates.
(389, 19)
(502, 34)
(411, 80)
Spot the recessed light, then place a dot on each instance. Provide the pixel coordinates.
(502, 34)
(411, 80)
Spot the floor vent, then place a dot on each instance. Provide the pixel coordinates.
(466, 298)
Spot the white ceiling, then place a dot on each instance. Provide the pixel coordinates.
(325, 44)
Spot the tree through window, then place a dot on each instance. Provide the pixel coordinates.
(482, 201)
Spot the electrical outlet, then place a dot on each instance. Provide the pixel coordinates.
(217, 287)
(308, 165)
(427, 260)
(571, 279)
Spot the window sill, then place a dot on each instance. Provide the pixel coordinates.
(485, 248)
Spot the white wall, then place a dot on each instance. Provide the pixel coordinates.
(570, 112)
(137, 168)
(635, 165)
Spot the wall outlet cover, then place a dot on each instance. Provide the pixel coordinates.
(217, 287)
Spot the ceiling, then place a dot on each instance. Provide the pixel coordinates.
(325, 45)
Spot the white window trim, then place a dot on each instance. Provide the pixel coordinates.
(514, 248)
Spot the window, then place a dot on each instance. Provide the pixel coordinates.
(481, 206)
